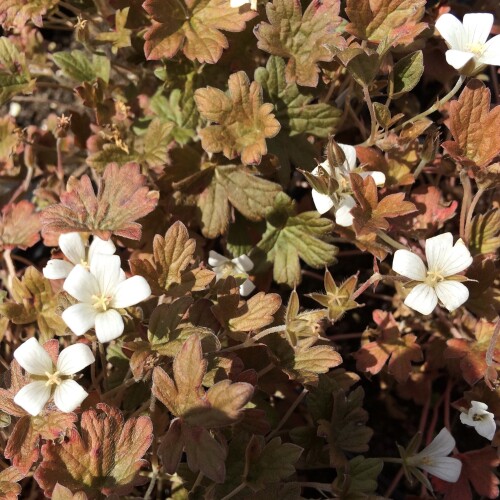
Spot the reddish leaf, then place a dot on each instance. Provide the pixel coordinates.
(474, 126)
(62, 493)
(18, 12)
(19, 225)
(478, 472)
(304, 38)
(9, 489)
(401, 350)
(122, 198)
(193, 25)
(105, 458)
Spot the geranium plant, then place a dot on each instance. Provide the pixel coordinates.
(248, 249)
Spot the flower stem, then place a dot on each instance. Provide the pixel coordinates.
(287, 415)
(236, 490)
(373, 279)
(470, 213)
(466, 203)
(395, 244)
(374, 124)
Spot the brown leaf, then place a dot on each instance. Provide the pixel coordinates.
(18, 12)
(193, 26)
(241, 122)
(473, 126)
(62, 493)
(19, 225)
(122, 198)
(401, 350)
(303, 38)
(9, 488)
(105, 458)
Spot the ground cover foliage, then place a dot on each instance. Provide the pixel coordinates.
(248, 249)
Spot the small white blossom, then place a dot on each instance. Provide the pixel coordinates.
(236, 4)
(469, 50)
(73, 248)
(342, 200)
(445, 260)
(239, 267)
(481, 419)
(434, 458)
(50, 380)
(101, 291)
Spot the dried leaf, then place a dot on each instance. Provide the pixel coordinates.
(76, 465)
(401, 349)
(194, 26)
(396, 21)
(19, 225)
(121, 199)
(241, 123)
(474, 126)
(303, 38)
(289, 237)
(10, 139)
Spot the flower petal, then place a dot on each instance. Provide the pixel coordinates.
(445, 468)
(378, 177)
(322, 202)
(244, 263)
(69, 395)
(466, 419)
(33, 397)
(325, 166)
(343, 215)
(410, 265)
(452, 294)
(452, 30)
(106, 269)
(108, 325)
(350, 156)
(33, 357)
(440, 446)
(486, 427)
(72, 246)
(130, 292)
(216, 259)
(74, 358)
(102, 247)
(438, 250)
(237, 3)
(80, 318)
(491, 54)
(81, 285)
(458, 58)
(478, 406)
(459, 259)
(247, 288)
(57, 269)
(422, 299)
(477, 27)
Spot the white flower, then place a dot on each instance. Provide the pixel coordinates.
(434, 460)
(238, 267)
(444, 261)
(49, 379)
(101, 291)
(342, 200)
(236, 4)
(72, 246)
(469, 51)
(481, 419)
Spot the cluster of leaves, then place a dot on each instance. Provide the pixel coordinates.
(180, 127)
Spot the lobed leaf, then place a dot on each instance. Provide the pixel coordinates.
(19, 225)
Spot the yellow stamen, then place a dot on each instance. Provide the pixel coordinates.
(53, 378)
(101, 302)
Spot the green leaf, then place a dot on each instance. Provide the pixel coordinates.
(364, 67)
(120, 37)
(293, 109)
(241, 122)
(290, 237)
(15, 77)
(485, 232)
(303, 38)
(407, 72)
(77, 66)
(269, 463)
(155, 143)
(358, 479)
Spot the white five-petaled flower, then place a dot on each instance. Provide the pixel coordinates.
(236, 4)
(342, 200)
(51, 380)
(481, 419)
(72, 246)
(434, 458)
(469, 49)
(101, 291)
(445, 260)
(238, 267)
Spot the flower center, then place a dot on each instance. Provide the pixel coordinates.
(53, 378)
(476, 48)
(101, 302)
(433, 277)
(85, 264)
(477, 418)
